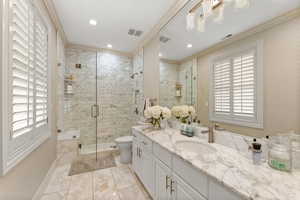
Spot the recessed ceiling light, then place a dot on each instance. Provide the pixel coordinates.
(109, 46)
(160, 55)
(189, 46)
(93, 22)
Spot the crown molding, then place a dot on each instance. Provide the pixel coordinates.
(257, 29)
(93, 48)
(177, 6)
(55, 19)
(170, 61)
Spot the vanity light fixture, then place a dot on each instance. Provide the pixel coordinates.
(109, 46)
(160, 55)
(206, 8)
(189, 46)
(93, 22)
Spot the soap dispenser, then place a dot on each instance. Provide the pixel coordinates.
(256, 152)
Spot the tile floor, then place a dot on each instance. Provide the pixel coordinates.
(117, 183)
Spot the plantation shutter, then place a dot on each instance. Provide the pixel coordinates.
(41, 48)
(22, 67)
(236, 89)
(28, 60)
(222, 87)
(244, 85)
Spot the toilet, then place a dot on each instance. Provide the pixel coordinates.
(125, 145)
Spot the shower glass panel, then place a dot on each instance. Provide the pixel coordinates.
(81, 107)
(100, 104)
(115, 98)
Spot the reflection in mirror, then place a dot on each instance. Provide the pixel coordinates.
(230, 63)
(178, 83)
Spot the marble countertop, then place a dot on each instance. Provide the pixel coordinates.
(231, 169)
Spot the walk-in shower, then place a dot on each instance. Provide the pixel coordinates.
(99, 97)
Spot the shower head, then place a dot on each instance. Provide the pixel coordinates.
(133, 75)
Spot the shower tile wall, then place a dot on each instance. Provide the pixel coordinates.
(138, 95)
(168, 78)
(183, 73)
(115, 91)
(114, 95)
(77, 112)
(188, 79)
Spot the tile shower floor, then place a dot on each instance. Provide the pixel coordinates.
(117, 183)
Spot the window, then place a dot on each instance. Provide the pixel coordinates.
(28, 69)
(236, 88)
(26, 80)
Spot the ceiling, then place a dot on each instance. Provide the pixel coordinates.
(114, 17)
(235, 21)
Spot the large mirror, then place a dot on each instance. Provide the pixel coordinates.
(232, 63)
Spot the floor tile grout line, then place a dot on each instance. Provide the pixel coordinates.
(114, 184)
(69, 188)
(93, 188)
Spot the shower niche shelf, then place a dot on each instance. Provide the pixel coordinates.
(68, 85)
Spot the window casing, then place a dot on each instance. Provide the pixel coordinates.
(27, 82)
(236, 91)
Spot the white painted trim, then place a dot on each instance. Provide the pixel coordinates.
(11, 159)
(259, 122)
(95, 49)
(9, 164)
(39, 193)
(55, 19)
(4, 80)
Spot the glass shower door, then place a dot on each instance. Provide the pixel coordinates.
(81, 110)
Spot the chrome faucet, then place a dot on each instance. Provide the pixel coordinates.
(211, 133)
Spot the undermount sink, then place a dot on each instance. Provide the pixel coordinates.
(195, 147)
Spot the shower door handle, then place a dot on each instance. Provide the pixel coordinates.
(97, 110)
(94, 111)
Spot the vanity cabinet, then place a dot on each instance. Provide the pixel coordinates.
(167, 177)
(142, 161)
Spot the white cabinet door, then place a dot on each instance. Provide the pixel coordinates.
(135, 157)
(182, 191)
(136, 161)
(162, 181)
(148, 171)
(218, 192)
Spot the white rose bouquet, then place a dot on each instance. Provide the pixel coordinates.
(183, 112)
(157, 113)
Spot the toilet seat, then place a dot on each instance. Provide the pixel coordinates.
(124, 139)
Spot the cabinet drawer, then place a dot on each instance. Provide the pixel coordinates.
(162, 154)
(146, 144)
(192, 176)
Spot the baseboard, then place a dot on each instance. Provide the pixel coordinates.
(38, 194)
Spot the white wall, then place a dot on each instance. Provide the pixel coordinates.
(151, 69)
